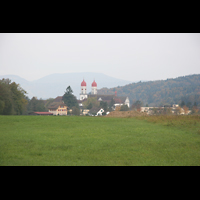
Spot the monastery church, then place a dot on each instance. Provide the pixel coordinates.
(83, 94)
(107, 98)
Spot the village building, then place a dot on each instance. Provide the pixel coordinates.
(58, 107)
(118, 101)
(174, 109)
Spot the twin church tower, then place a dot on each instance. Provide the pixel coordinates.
(83, 94)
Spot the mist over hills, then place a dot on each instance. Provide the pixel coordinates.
(55, 85)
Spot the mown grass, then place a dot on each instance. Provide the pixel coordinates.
(82, 141)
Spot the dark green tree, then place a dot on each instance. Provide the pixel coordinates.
(124, 108)
(182, 103)
(69, 99)
(189, 105)
(104, 105)
(89, 106)
(75, 110)
(69, 90)
(36, 105)
(111, 104)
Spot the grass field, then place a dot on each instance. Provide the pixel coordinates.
(82, 141)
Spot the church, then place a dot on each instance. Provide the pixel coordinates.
(106, 98)
(83, 94)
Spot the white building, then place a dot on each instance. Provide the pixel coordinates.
(83, 94)
(94, 88)
(100, 112)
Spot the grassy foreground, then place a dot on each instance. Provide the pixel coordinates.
(64, 140)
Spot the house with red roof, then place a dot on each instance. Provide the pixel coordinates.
(40, 113)
(58, 107)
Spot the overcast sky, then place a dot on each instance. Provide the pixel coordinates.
(128, 56)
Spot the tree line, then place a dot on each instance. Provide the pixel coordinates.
(161, 92)
(13, 99)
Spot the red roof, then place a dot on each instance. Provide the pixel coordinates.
(118, 100)
(83, 83)
(94, 84)
(43, 113)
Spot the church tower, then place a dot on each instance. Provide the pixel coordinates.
(83, 94)
(94, 88)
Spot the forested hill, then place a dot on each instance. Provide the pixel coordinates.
(161, 92)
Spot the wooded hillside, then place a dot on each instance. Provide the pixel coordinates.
(161, 92)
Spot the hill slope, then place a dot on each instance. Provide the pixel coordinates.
(157, 93)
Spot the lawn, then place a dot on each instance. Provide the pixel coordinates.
(97, 141)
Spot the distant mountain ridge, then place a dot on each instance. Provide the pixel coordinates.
(55, 85)
(160, 92)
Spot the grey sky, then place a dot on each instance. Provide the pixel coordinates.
(128, 56)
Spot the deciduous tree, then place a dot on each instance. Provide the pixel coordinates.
(12, 97)
(75, 111)
(92, 101)
(137, 105)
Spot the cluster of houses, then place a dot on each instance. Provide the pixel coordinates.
(59, 108)
(173, 109)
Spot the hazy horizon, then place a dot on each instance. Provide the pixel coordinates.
(94, 77)
(126, 56)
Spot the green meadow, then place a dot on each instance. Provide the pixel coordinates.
(99, 141)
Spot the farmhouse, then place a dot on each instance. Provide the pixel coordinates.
(58, 107)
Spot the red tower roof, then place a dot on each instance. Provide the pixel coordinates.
(94, 84)
(83, 83)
